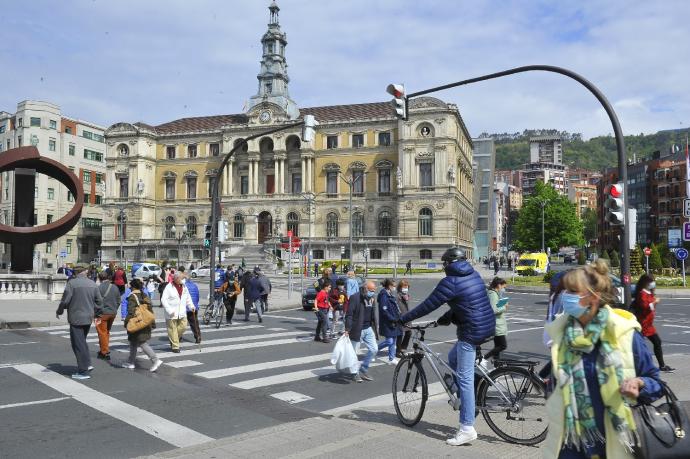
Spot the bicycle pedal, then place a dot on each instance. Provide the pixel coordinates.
(454, 403)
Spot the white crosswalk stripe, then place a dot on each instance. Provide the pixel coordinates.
(218, 341)
(290, 377)
(222, 372)
(122, 335)
(232, 347)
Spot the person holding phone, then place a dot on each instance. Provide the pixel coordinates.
(499, 305)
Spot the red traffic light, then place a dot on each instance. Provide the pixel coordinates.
(396, 90)
(615, 190)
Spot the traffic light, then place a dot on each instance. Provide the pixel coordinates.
(615, 211)
(207, 235)
(222, 230)
(309, 128)
(399, 100)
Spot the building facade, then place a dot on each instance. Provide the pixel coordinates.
(80, 146)
(411, 180)
(553, 174)
(546, 149)
(484, 167)
(584, 196)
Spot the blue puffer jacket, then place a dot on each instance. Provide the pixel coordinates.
(465, 293)
(193, 292)
(389, 314)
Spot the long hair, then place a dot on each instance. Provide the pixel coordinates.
(642, 283)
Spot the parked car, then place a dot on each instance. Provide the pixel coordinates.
(537, 262)
(203, 271)
(568, 259)
(309, 293)
(144, 270)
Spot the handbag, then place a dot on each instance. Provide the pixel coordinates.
(142, 318)
(662, 429)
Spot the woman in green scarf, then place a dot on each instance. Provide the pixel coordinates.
(601, 367)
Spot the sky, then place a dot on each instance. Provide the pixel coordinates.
(160, 60)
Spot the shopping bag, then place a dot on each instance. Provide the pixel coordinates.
(344, 357)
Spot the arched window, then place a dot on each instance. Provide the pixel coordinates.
(357, 224)
(266, 145)
(385, 224)
(293, 223)
(425, 254)
(244, 148)
(170, 179)
(123, 150)
(169, 227)
(332, 225)
(426, 222)
(190, 226)
(292, 143)
(238, 226)
(375, 254)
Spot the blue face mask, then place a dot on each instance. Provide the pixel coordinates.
(652, 285)
(571, 304)
(370, 294)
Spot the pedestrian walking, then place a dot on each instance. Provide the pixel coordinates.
(497, 267)
(644, 308)
(232, 291)
(389, 319)
(351, 285)
(327, 274)
(151, 287)
(408, 267)
(603, 367)
(256, 288)
(80, 298)
(403, 297)
(139, 338)
(360, 327)
(495, 293)
(244, 285)
(316, 269)
(105, 314)
(510, 264)
(266, 288)
(193, 315)
(337, 298)
(120, 279)
(322, 308)
(176, 302)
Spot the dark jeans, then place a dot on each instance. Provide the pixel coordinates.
(500, 345)
(402, 341)
(656, 342)
(77, 336)
(230, 308)
(193, 319)
(322, 324)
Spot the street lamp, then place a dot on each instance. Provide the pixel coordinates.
(179, 242)
(122, 217)
(310, 198)
(351, 181)
(542, 204)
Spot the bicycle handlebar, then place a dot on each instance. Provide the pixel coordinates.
(423, 325)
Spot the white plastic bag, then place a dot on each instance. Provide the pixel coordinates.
(344, 357)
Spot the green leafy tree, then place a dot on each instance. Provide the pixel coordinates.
(655, 263)
(615, 259)
(581, 260)
(665, 254)
(562, 227)
(604, 255)
(589, 222)
(636, 266)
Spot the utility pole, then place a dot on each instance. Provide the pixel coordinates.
(351, 183)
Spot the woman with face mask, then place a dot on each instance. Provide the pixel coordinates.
(403, 294)
(389, 318)
(644, 308)
(495, 292)
(601, 367)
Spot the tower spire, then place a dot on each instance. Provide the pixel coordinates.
(274, 9)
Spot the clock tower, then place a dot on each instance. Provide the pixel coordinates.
(272, 101)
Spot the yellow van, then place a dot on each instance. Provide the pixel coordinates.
(539, 262)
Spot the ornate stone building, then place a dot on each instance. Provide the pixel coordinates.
(412, 180)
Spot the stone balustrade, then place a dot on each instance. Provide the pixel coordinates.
(31, 286)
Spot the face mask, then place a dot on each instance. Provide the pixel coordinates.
(652, 285)
(404, 290)
(370, 294)
(571, 304)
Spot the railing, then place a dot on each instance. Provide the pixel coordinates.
(31, 286)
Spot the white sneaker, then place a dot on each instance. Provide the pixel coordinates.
(129, 366)
(155, 365)
(462, 437)
(393, 362)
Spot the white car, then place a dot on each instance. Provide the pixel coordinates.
(203, 271)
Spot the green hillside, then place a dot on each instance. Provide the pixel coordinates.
(597, 153)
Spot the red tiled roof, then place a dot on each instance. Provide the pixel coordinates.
(352, 111)
(201, 123)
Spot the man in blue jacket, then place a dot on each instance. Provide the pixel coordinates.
(465, 293)
(193, 316)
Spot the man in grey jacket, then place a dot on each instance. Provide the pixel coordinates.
(81, 298)
(105, 315)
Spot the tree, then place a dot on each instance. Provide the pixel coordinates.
(636, 266)
(604, 255)
(655, 259)
(581, 260)
(615, 259)
(562, 227)
(589, 221)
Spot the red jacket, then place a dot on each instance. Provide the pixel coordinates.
(645, 310)
(335, 298)
(322, 300)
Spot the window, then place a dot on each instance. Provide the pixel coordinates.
(270, 184)
(35, 192)
(426, 179)
(124, 186)
(357, 140)
(49, 219)
(214, 149)
(296, 183)
(293, 223)
(170, 188)
(375, 254)
(19, 141)
(331, 141)
(92, 136)
(244, 184)
(426, 222)
(238, 226)
(269, 87)
(51, 193)
(71, 150)
(358, 182)
(20, 122)
(318, 254)
(53, 124)
(35, 220)
(270, 48)
(191, 188)
(384, 181)
(425, 254)
(93, 155)
(99, 178)
(69, 246)
(151, 254)
(49, 247)
(190, 226)
(93, 223)
(332, 183)
(210, 186)
(332, 225)
(385, 224)
(170, 152)
(68, 130)
(169, 225)
(191, 151)
(358, 224)
(2, 128)
(384, 139)
(86, 176)
(122, 150)
(35, 122)
(99, 199)
(87, 199)
(70, 197)
(51, 144)
(84, 248)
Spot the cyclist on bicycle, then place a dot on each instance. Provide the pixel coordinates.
(218, 282)
(465, 293)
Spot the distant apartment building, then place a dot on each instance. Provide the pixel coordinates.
(484, 156)
(584, 196)
(80, 146)
(499, 217)
(553, 174)
(546, 149)
(514, 197)
(583, 176)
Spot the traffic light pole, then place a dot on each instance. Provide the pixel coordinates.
(214, 191)
(618, 133)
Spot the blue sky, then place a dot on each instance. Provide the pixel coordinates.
(155, 61)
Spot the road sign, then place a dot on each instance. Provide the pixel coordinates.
(686, 207)
(674, 238)
(647, 251)
(686, 231)
(681, 254)
(63, 253)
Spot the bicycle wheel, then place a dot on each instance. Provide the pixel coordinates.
(515, 405)
(410, 390)
(206, 316)
(220, 311)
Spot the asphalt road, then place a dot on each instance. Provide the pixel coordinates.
(237, 381)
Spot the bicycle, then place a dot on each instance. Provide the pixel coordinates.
(511, 397)
(215, 310)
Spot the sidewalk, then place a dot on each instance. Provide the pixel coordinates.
(41, 313)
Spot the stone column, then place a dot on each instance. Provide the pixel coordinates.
(276, 172)
(309, 174)
(282, 176)
(224, 183)
(256, 177)
(250, 175)
(304, 174)
(230, 171)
